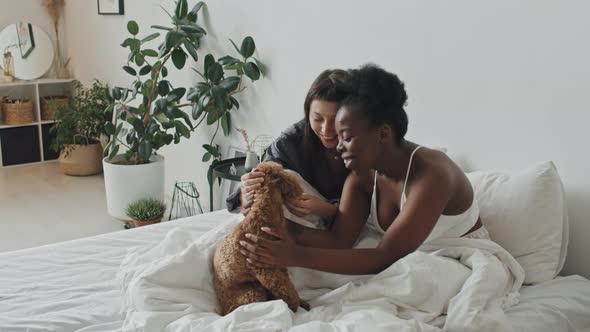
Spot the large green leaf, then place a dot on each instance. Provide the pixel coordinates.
(116, 93)
(163, 88)
(172, 39)
(132, 27)
(109, 128)
(178, 58)
(145, 150)
(150, 37)
(209, 60)
(139, 59)
(215, 72)
(145, 70)
(181, 9)
(248, 47)
(193, 29)
(190, 48)
(206, 157)
(114, 152)
(197, 7)
(226, 123)
(228, 60)
(176, 94)
(230, 83)
(182, 129)
(150, 53)
(219, 95)
(130, 71)
(252, 71)
(197, 111)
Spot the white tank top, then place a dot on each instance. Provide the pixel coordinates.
(445, 227)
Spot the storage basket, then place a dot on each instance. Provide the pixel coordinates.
(50, 105)
(17, 113)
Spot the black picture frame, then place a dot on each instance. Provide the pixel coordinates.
(118, 7)
(26, 39)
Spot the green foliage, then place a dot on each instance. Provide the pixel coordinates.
(84, 118)
(146, 210)
(160, 119)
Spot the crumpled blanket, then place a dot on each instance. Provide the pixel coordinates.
(448, 285)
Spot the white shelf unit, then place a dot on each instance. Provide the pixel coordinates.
(34, 91)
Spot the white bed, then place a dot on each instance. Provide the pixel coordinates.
(157, 278)
(72, 286)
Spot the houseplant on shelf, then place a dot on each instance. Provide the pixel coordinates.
(159, 119)
(146, 211)
(80, 123)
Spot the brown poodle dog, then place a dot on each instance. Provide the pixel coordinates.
(235, 282)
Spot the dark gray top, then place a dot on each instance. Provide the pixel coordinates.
(309, 160)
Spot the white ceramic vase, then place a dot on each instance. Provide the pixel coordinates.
(251, 161)
(125, 184)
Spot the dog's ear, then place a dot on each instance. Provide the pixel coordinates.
(288, 185)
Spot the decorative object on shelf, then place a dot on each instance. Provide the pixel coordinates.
(261, 143)
(51, 104)
(146, 211)
(55, 9)
(185, 201)
(81, 121)
(8, 64)
(110, 7)
(17, 111)
(157, 119)
(37, 59)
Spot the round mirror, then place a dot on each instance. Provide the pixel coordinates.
(27, 48)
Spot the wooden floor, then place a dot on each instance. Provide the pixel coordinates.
(39, 205)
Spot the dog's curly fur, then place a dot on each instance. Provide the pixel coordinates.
(235, 282)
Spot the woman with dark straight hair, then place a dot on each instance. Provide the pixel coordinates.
(309, 148)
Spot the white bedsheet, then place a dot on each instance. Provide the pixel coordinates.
(72, 286)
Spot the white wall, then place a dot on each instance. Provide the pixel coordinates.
(31, 11)
(501, 84)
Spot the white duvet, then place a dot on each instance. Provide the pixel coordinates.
(453, 285)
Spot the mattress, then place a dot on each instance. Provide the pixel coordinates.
(71, 286)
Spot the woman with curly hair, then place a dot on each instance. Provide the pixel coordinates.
(408, 193)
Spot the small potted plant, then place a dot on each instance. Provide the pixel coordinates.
(80, 123)
(146, 211)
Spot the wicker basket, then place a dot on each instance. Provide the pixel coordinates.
(50, 105)
(17, 113)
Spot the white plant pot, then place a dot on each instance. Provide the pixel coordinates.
(125, 184)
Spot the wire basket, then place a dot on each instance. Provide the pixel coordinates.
(185, 201)
(50, 105)
(15, 113)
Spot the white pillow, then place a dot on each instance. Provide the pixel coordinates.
(526, 213)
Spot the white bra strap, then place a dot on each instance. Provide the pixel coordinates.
(409, 166)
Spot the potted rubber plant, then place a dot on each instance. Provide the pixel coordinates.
(146, 212)
(80, 124)
(168, 112)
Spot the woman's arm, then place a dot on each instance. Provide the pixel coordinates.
(351, 216)
(411, 227)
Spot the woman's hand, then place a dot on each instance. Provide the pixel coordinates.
(309, 204)
(248, 185)
(265, 253)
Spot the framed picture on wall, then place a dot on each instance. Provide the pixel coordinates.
(26, 40)
(110, 7)
(227, 186)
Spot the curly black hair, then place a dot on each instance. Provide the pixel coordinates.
(380, 97)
